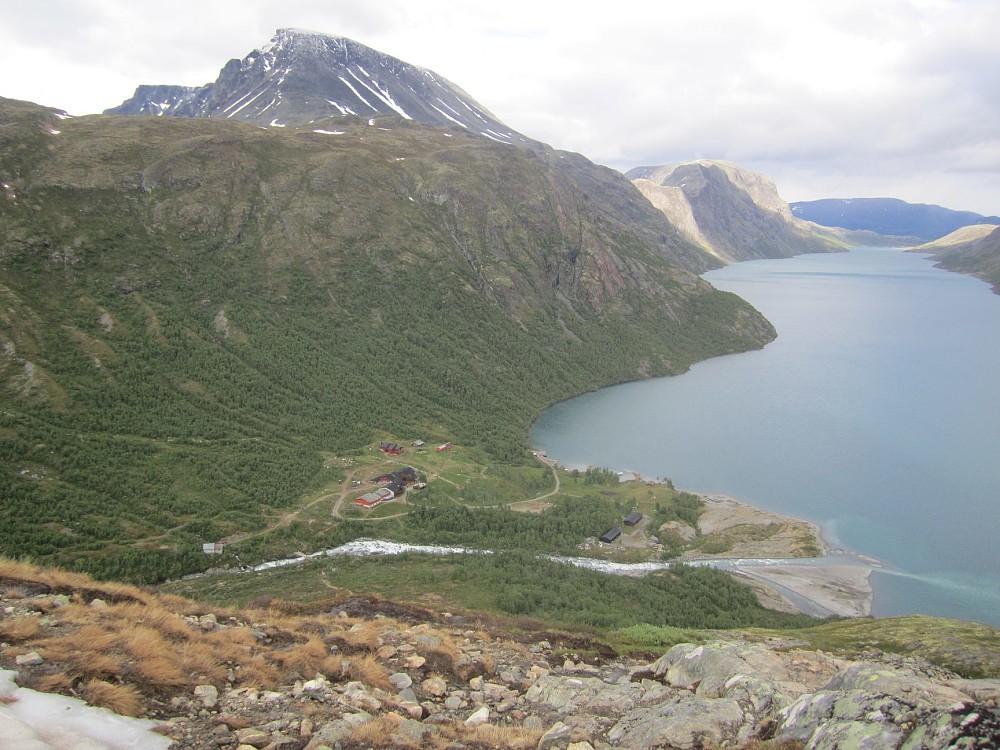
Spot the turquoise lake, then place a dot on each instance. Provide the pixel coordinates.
(875, 413)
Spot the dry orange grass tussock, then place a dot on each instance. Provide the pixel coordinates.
(304, 659)
(377, 732)
(370, 671)
(122, 699)
(491, 736)
(19, 629)
(257, 672)
(151, 615)
(154, 659)
(202, 663)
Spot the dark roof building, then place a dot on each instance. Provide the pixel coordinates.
(403, 476)
(610, 536)
(633, 518)
(390, 448)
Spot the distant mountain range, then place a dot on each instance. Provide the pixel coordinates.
(304, 76)
(731, 212)
(888, 216)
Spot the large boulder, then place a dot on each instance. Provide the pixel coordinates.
(683, 723)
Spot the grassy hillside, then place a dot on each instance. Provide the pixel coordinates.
(197, 315)
(973, 250)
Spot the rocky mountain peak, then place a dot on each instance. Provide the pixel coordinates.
(732, 212)
(300, 77)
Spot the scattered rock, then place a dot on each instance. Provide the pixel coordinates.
(559, 734)
(208, 695)
(401, 681)
(479, 716)
(31, 659)
(434, 686)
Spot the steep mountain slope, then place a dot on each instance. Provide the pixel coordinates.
(304, 76)
(196, 313)
(732, 212)
(889, 216)
(974, 250)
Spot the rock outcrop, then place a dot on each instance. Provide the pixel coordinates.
(720, 694)
(423, 680)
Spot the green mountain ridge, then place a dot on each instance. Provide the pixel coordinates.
(197, 313)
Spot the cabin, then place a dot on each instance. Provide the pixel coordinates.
(610, 536)
(633, 518)
(391, 448)
(374, 498)
(403, 476)
(418, 443)
(444, 447)
(213, 548)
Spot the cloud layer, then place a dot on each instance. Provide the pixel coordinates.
(856, 98)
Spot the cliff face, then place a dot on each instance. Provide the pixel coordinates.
(732, 212)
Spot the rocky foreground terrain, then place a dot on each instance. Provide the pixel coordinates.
(360, 672)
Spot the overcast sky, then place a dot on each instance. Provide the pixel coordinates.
(839, 98)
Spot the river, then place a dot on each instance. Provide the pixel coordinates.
(874, 414)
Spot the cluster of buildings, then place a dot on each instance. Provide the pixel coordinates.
(630, 520)
(394, 484)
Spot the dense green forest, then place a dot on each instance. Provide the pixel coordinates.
(195, 315)
(516, 583)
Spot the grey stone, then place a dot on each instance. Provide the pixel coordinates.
(480, 716)
(872, 678)
(31, 659)
(253, 737)
(434, 686)
(558, 735)
(684, 724)
(688, 665)
(208, 695)
(401, 680)
(410, 730)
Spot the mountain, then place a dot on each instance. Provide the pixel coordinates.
(199, 313)
(730, 211)
(303, 76)
(889, 216)
(974, 250)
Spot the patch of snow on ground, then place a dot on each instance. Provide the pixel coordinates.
(63, 115)
(381, 94)
(276, 124)
(348, 84)
(494, 138)
(46, 721)
(237, 111)
(441, 111)
(330, 132)
(342, 110)
(53, 131)
(473, 111)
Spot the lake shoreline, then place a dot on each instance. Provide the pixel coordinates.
(841, 587)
